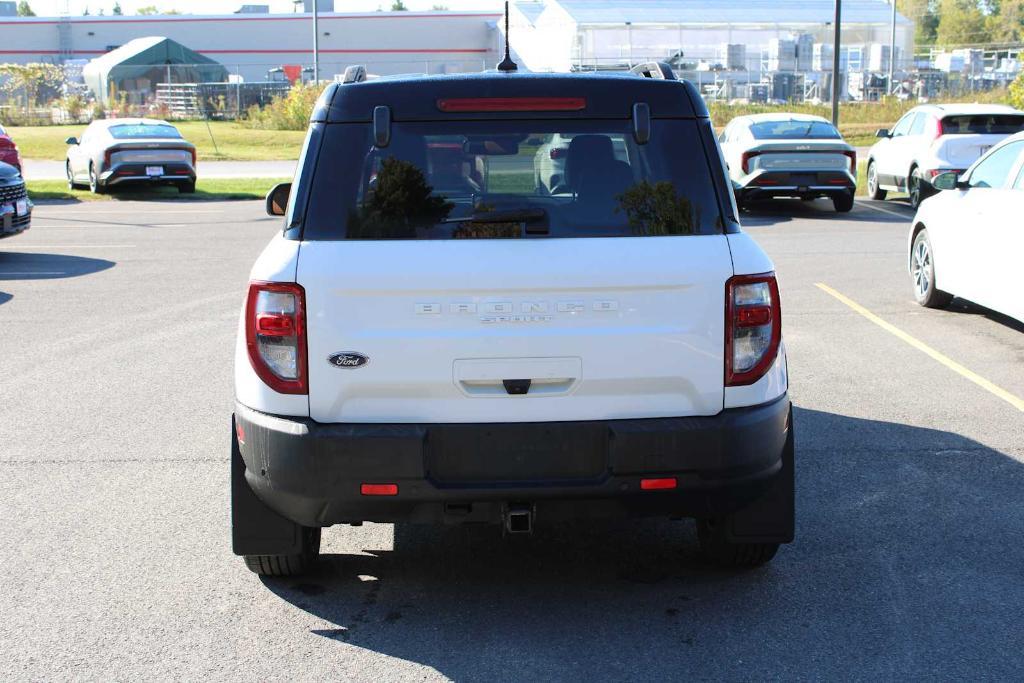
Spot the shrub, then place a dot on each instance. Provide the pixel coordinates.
(1017, 92)
(289, 112)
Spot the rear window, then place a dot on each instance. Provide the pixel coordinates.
(135, 131)
(790, 130)
(511, 179)
(983, 124)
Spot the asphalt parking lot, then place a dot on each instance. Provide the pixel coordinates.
(118, 323)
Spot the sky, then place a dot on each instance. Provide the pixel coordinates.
(77, 7)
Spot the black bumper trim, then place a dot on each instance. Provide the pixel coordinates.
(310, 473)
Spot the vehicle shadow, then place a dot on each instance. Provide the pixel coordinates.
(971, 308)
(23, 266)
(908, 560)
(5, 297)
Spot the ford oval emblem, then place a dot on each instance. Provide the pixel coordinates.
(348, 359)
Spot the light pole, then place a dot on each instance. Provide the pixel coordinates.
(836, 44)
(316, 45)
(892, 48)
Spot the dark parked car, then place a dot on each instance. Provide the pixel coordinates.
(15, 206)
(9, 150)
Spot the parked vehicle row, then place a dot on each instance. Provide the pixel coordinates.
(15, 206)
(9, 151)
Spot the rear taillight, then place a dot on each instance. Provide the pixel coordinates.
(745, 160)
(275, 333)
(558, 152)
(193, 153)
(107, 154)
(753, 327)
(7, 143)
(937, 129)
(853, 160)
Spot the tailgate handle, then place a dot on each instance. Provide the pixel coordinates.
(516, 387)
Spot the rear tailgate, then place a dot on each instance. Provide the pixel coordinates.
(960, 151)
(799, 156)
(628, 327)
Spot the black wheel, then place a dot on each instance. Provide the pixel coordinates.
(922, 272)
(94, 182)
(843, 203)
(288, 565)
(917, 188)
(717, 549)
(187, 188)
(874, 192)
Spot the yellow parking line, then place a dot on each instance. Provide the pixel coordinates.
(988, 386)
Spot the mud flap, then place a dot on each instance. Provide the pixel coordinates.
(255, 528)
(771, 518)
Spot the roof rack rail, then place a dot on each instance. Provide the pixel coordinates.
(354, 74)
(659, 70)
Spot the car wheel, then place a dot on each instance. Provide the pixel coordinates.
(94, 182)
(717, 549)
(874, 192)
(843, 203)
(922, 271)
(916, 188)
(187, 188)
(71, 178)
(288, 565)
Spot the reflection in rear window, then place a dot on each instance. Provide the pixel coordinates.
(793, 130)
(984, 124)
(511, 179)
(132, 131)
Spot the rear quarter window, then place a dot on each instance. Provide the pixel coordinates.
(511, 179)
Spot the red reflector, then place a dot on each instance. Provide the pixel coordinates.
(658, 484)
(558, 152)
(467, 104)
(240, 432)
(753, 316)
(272, 325)
(378, 489)
(837, 181)
(767, 181)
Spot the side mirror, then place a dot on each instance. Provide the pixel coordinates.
(946, 181)
(277, 199)
(883, 133)
(71, 141)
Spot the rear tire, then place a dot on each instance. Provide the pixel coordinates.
(94, 182)
(288, 565)
(922, 274)
(843, 203)
(71, 178)
(874, 192)
(717, 549)
(918, 189)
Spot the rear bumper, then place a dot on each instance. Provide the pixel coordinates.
(311, 473)
(125, 173)
(766, 184)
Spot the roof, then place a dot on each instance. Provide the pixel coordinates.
(948, 109)
(724, 11)
(608, 95)
(110, 123)
(782, 116)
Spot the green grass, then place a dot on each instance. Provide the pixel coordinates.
(206, 189)
(234, 142)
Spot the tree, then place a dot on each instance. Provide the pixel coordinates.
(1006, 25)
(148, 10)
(922, 13)
(117, 9)
(39, 83)
(24, 10)
(961, 22)
(399, 6)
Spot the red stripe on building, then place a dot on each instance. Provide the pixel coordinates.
(272, 17)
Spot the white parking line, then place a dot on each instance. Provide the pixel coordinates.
(863, 202)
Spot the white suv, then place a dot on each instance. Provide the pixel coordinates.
(934, 139)
(433, 337)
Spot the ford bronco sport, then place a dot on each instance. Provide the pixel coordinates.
(437, 337)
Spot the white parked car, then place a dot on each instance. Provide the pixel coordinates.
(433, 338)
(789, 155)
(934, 139)
(967, 240)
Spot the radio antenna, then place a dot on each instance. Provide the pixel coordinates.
(507, 64)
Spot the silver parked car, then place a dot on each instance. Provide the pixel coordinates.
(115, 152)
(789, 155)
